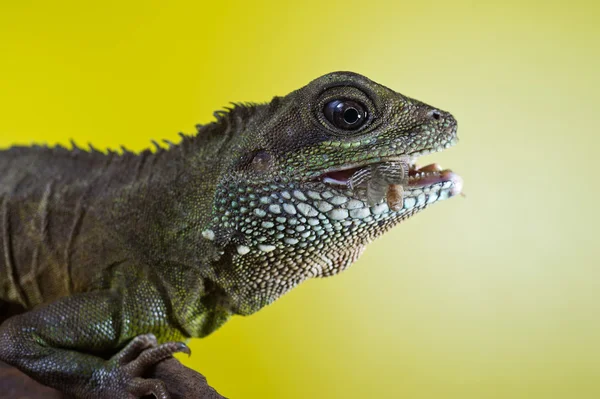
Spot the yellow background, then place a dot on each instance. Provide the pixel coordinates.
(496, 295)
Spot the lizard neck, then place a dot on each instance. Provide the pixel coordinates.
(162, 215)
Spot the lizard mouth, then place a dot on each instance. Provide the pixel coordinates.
(418, 177)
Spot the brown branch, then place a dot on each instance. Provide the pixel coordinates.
(182, 383)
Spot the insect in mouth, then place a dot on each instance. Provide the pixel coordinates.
(385, 180)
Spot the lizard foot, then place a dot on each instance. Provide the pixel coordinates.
(123, 376)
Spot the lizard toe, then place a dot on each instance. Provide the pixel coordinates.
(149, 357)
(140, 387)
(135, 347)
(124, 373)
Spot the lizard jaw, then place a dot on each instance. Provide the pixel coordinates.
(418, 177)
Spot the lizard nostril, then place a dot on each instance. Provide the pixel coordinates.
(436, 115)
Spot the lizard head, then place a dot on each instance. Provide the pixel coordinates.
(286, 210)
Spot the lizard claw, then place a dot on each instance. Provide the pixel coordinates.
(123, 376)
(135, 347)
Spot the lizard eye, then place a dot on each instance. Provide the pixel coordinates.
(345, 114)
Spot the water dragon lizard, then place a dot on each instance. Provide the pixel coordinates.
(114, 259)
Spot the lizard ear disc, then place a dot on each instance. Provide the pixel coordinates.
(345, 114)
(261, 160)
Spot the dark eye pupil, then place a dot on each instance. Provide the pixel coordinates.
(345, 114)
(351, 116)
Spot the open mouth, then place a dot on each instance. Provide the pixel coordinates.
(411, 177)
(418, 177)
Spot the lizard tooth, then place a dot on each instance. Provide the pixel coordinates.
(242, 249)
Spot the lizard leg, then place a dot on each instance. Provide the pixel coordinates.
(60, 345)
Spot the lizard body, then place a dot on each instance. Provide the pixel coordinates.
(105, 252)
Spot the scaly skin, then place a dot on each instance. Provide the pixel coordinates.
(103, 249)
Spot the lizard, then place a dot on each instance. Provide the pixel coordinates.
(116, 259)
